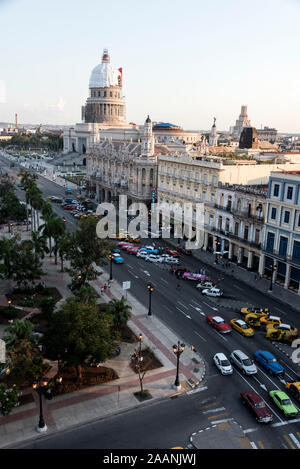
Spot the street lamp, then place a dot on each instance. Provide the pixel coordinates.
(217, 250)
(40, 389)
(273, 269)
(178, 349)
(9, 303)
(151, 289)
(110, 256)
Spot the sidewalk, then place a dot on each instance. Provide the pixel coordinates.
(242, 274)
(99, 401)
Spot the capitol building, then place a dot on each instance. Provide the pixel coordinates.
(121, 158)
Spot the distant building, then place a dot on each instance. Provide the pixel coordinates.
(240, 123)
(267, 134)
(213, 137)
(249, 138)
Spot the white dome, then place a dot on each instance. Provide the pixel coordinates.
(103, 75)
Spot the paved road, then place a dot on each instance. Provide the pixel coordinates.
(184, 312)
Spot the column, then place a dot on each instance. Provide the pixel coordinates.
(240, 255)
(287, 276)
(261, 267)
(140, 182)
(97, 193)
(230, 251)
(147, 182)
(205, 241)
(250, 260)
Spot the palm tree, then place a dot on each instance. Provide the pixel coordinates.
(63, 245)
(19, 330)
(120, 312)
(39, 244)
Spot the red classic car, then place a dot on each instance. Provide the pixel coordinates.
(218, 323)
(257, 406)
(193, 276)
(69, 207)
(172, 252)
(184, 250)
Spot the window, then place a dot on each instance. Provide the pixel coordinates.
(299, 220)
(289, 194)
(286, 217)
(204, 196)
(273, 213)
(283, 245)
(212, 197)
(276, 190)
(270, 242)
(296, 251)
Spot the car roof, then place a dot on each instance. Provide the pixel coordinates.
(217, 318)
(221, 356)
(240, 353)
(254, 396)
(240, 322)
(281, 394)
(265, 353)
(273, 317)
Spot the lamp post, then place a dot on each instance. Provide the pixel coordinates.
(151, 290)
(178, 349)
(40, 388)
(9, 303)
(273, 269)
(217, 245)
(110, 256)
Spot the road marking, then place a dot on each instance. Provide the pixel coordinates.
(193, 391)
(212, 404)
(215, 422)
(146, 272)
(216, 416)
(184, 306)
(292, 437)
(279, 424)
(239, 288)
(186, 315)
(215, 309)
(164, 280)
(200, 336)
(213, 410)
(253, 445)
(131, 273)
(250, 430)
(261, 385)
(289, 441)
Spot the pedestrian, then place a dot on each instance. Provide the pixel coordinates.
(178, 286)
(255, 277)
(232, 270)
(105, 287)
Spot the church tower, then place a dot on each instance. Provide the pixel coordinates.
(213, 137)
(148, 138)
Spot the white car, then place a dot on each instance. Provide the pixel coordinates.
(170, 260)
(152, 258)
(223, 364)
(212, 292)
(204, 285)
(142, 254)
(243, 362)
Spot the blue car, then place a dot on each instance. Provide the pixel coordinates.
(69, 200)
(268, 362)
(68, 191)
(150, 251)
(116, 250)
(118, 260)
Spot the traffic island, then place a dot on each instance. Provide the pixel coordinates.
(225, 435)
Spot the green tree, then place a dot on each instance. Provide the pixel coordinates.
(86, 251)
(27, 266)
(26, 362)
(8, 254)
(120, 312)
(79, 336)
(63, 246)
(18, 331)
(47, 306)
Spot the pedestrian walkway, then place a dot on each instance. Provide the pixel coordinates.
(96, 402)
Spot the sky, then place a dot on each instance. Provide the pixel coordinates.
(184, 62)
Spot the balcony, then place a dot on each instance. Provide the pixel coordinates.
(240, 213)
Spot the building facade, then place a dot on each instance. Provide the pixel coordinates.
(282, 237)
(240, 123)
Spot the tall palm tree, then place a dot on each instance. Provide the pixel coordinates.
(19, 330)
(39, 244)
(120, 312)
(63, 245)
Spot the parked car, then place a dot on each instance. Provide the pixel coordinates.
(243, 362)
(255, 309)
(68, 191)
(242, 327)
(117, 259)
(133, 250)
(116, 250)
(142, 254)
(284, 403)
(153, 258)
(270, 319)
(257, 406)
(212, 292)
(193, 276)
(169, 260)
(69, 200)
(184, 250)
(149, 250)
(218, 323)
(172, 252)
(268, 362)
(124, 247)
(69, 207)
(178, 271)
(223, 364)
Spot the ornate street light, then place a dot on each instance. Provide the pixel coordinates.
(151, 290)
(110, 256)
(40, 388)
(178, 349)
(217, 250)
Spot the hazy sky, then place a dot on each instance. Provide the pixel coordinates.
(183, 61)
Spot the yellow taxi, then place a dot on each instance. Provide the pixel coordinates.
(294, 388)
(253, 320)
(255, 310)
(242, 327)
(270, 319)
